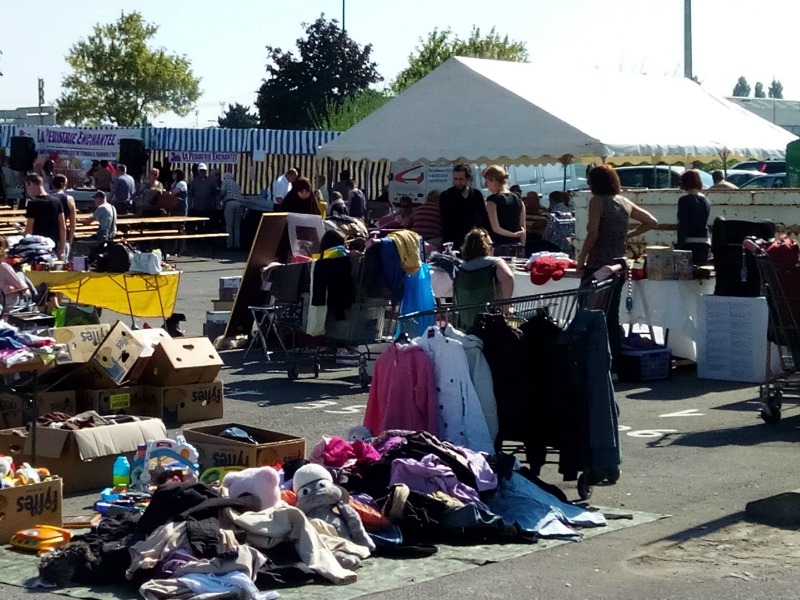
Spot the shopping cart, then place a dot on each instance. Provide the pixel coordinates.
(780, 284)
(367, 322)
(561, 307)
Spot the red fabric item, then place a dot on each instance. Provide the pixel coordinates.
(546, 268)
(784, 251)
(335, 452)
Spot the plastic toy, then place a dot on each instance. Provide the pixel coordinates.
(217, 474)
(160, 456)
(41, 538)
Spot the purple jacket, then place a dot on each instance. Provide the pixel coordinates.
(430, 475)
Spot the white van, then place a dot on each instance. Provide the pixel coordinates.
(541, 179)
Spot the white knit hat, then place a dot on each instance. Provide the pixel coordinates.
(309, 474)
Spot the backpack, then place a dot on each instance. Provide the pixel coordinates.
(110, 257)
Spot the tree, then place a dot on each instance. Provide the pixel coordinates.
(238, 117)
(330, 67)
(343, 115)
(775, 89)
(758, 92)
(116, 77)
(742, 88)
(442, 45)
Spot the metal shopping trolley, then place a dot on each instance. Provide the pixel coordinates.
(781, 285)
(367, 322)
(561, 307)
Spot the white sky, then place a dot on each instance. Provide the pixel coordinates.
(225, 40)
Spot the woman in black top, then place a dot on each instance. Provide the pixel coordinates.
(693, 211)
(505, 209)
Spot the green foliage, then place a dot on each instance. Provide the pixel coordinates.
(775, 89)
(340, 116)
(330, 68)
(758, 92)
(742, 88)
(442, 45)
(238, 117)
(116, 77)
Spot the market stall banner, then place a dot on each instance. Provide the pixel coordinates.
(226, 158)
(79, 142)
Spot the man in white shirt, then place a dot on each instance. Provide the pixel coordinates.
(106, 216)
(283, 185)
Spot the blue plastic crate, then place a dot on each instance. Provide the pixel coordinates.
(648, 364)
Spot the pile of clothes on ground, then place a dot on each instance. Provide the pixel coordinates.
(395, 495)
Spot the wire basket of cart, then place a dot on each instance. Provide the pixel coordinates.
(780, 284)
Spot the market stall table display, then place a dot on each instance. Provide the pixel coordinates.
(135, 294)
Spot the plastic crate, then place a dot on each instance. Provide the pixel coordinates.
(645, 365)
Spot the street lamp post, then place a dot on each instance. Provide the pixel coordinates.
(343, 3)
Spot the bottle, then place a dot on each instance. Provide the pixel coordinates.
(121, 471)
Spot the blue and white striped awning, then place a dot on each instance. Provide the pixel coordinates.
(260, 142)
(282, 141)
(200, 140)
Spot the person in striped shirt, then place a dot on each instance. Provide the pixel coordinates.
(427, 220)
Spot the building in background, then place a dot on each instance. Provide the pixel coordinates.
(783, 113)
(29, 115)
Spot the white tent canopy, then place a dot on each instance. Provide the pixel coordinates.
(483, 111)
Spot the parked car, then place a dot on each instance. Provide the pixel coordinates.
(774, 180)
(656, 177)
(763, 166)
(739, 177)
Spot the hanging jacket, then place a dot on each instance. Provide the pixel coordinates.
(461, 418)
(402, 394)
(480, 374)
(333, 285)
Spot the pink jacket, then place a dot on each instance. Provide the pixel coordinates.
(403, 392)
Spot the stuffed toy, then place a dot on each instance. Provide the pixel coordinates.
(27, 475)
(262, 482)
(319, 498)
(7, 472)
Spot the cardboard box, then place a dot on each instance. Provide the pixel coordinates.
(126, 400)
(216, 451)
(150, 339)
(228, 294)
(183, 361)
(660, 263)
(226, 305)
(113, 360)
(232, 282)
(61, 401)
(84, 459)
(186, 403)
(30, 505)
(12, 407)
(17, 409)
(80, 342)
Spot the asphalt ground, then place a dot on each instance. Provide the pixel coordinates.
(693, 450)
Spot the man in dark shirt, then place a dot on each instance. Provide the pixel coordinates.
(462, 207)
(44, 214)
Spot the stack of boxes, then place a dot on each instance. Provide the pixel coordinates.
(115, 370)
(217, 319)
(664, 263)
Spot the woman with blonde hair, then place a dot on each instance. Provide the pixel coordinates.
(506, 211)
